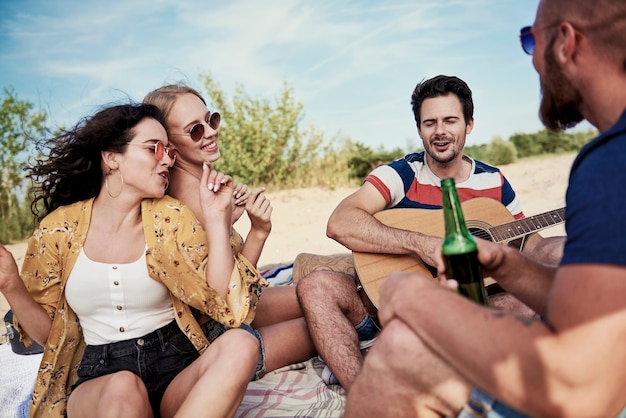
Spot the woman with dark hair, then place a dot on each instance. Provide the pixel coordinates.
(194, 130)
(115, 272)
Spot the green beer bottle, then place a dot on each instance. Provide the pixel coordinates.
(459, 247)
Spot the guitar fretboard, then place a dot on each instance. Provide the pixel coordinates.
(528, 225)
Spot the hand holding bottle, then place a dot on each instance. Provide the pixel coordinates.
(459, 248)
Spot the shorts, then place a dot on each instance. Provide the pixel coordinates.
(367, 328)
(157, 358)
(213, 329)
(483, 405)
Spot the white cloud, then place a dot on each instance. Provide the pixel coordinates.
(345, 59)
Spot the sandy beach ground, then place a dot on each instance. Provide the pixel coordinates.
(299, 216)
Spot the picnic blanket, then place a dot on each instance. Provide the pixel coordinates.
(17, 379)
(293, 391)
(296, 390)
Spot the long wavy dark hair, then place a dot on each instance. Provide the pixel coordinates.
(70, 169)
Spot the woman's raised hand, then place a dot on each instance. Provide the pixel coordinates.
(259, 211)
(9, 273)
(216, 191)
(240, 195)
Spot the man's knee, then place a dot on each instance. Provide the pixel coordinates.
(323, 283)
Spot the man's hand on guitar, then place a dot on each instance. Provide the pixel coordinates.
(428, 249)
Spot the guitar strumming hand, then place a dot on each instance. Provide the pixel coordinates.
(429, 251)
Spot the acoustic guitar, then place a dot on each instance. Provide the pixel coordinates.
(481, 214)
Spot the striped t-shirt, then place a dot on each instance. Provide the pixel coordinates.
(409, 183)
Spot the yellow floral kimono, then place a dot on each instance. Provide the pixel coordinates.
(176, 256)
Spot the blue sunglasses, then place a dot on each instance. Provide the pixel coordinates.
(527, 40)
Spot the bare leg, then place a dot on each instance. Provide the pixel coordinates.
(277, 304)
(286, 343)
(214, 384)
(120, 394)
(401, 377)
(332, 308)
(283, 328)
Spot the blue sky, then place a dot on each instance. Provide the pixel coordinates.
(352, 64)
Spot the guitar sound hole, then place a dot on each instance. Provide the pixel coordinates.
(480, 233)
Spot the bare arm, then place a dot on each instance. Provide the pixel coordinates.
(353, 225)
(33, 317)
(572, 364)
(259, 211)
(525, 278)
(216, 196)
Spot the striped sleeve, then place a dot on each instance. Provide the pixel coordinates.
(488, 181)
(392, 181)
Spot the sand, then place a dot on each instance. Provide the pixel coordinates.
(299, 216)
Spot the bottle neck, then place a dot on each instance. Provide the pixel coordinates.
(452, 213)
(457, 238)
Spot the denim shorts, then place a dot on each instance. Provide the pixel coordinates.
(367, 328)
(157, 358)
(483, 405)
(213, 329)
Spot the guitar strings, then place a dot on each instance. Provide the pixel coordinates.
(480, 233)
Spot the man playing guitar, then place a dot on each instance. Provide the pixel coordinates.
(338, 321)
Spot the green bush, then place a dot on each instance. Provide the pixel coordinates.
(19, 122)
(501, 152)
(263, 142)
(364, 159)
(477, 152)
(547, 142)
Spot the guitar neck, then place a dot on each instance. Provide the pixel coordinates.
(526, 226)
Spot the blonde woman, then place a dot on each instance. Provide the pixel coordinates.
(193, 129)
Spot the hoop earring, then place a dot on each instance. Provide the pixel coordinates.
(106, 184)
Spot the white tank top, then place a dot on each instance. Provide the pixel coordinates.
(116, 302)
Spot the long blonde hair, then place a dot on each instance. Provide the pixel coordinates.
(165, 96)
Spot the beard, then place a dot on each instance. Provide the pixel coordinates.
(560, 99)
(447, 156)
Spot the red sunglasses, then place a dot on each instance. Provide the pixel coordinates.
(160, 150)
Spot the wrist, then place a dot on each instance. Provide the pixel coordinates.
(258, 233)
(12, 286)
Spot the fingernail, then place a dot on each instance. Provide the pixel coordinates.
(210, 186)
